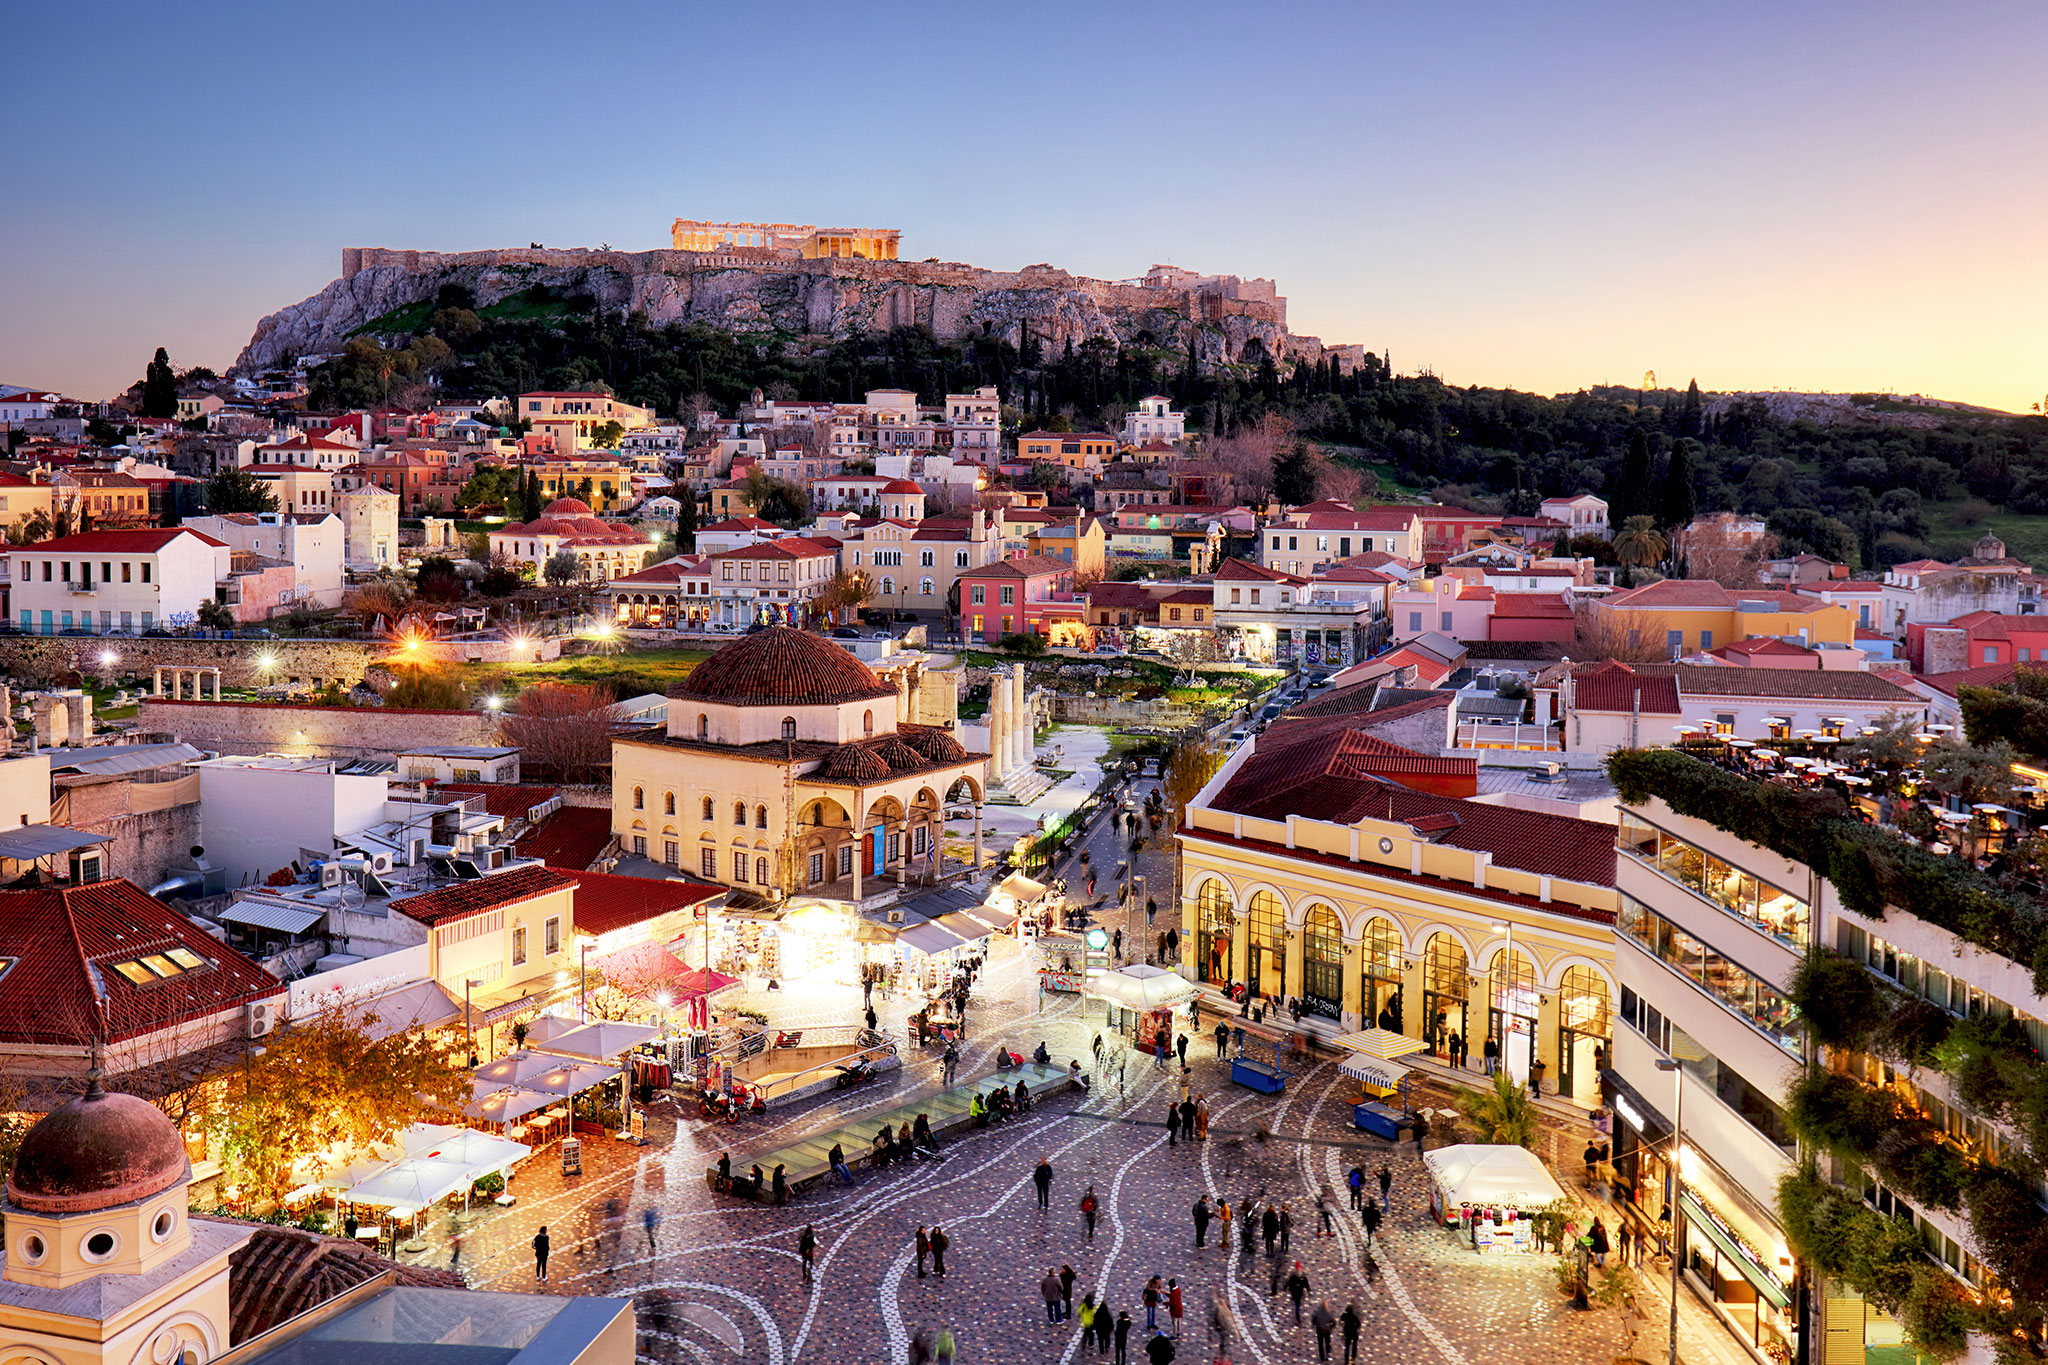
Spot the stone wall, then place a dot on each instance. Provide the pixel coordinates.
(146, 844)
(239, 727)
(38, 659)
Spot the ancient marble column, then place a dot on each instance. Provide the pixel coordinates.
(998, 739)
(1025, 742)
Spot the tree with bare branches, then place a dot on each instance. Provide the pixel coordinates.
(1597, 635)
(1711, 549)
(563, 727)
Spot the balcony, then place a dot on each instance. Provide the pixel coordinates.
(78, 585)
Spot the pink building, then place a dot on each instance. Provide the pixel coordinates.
(1030, 596)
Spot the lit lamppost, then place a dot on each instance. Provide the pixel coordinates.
(1677, 1177)
(583, 979)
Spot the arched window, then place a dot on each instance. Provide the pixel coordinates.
(1582, 1002)
(1213, 908)
(739, 813)
(668, 803)
(760, 817)
(789, 727)
(703, 727)
(1266, 964)
(924, 587)
(867, 722)
(761, 871)
(1444, 987)
(888, 585)
(1513, 982)
(1380, 971)
(707, 808)
(639, 799)
(1322, 961)
(818, 813)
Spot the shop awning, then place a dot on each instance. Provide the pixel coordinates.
(964, 926)
(1019, 888)
(601, 1039)
(1699, 1218)
(1372, 1070)
(1379, 1042)
(928, 938)
(265, 915)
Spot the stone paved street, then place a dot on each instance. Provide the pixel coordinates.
(723, 1282)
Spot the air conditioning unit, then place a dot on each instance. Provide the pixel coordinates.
(262, 1017)
(895, 917)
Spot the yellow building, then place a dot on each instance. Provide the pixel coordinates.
(583, 411)
(1680, 615)
(603, 483)
(1082, 543)
(1309, 876)
(1074, 449)
(501, 937)
(788, 767)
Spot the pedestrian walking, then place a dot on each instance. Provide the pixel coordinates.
(1088, 1212)
(1159, 1351)
(923, 1245)
(1174, 1305)
(1187, 1115)
(650, 1218)
(1386, 1188)
(1159, 1053)
(540, 1254)
(1201, 1118)
(1221, 1323)
(1370, 1215)
(870, 1017)
(1286, 1228)
(1457, 1048)
(945, 1350)
(1153, 1296)
(1599, 1243)
(1325, 1323)
(1326, 1208)
(1591, 1158)
(921, 1347)
(1202, 1214)
(1049, 1290)
(1275, 1277)
(1624, 1234)
(1042, 1177)
(455, 1251)
(1297, 1290)
(1491, 1057)
(1195, 1014)
(1269, 1226)
(1351, 1321)
(807, 1251)
(1222, 1038)
(1117, 942)
(1356, 1180)
(1225, 1213)
(940, 1241)
(1181, 1046)
(1067, 1278)
(1123, 1338)
(1172, 1124)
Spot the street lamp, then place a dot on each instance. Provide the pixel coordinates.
(1496, 999)
(583, 980)
(1677, 1179)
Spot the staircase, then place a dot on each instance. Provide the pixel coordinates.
(1019, 787)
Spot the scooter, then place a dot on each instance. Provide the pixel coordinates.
(849, 1076)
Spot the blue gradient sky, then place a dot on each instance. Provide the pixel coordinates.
(1759, 195)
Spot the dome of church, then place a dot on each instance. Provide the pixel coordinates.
(95, 1152)
(782, 666)
(567, 507)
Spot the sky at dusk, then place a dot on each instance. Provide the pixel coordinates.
(1810, 196)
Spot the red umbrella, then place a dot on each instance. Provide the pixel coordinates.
(642, 967)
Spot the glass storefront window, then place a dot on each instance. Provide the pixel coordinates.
(1749, 898)
(1752, 998)
(1380, 963)
(1322, 962)
(1213, 907)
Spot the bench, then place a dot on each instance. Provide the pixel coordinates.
(1258, 1076)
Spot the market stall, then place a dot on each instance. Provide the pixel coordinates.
(1490, 1190)
(1385, 1103)
(1149, 994)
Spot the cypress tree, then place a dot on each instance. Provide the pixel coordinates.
(160, 387)
(1689, 411)
(1633, 496)
(686, 522)
(1679, 503)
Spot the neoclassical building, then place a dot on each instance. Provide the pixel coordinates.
(1307, 876)
(788, 766)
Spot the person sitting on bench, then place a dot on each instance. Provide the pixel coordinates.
(836, 1158)
(978, 1111)
(725, 1170)
(921, 1132)
(1002, 1059)
(1023, 1098)
(1041, 1056)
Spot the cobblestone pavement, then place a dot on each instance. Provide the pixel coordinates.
(723, 1282)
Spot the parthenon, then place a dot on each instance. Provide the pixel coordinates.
(801, 239)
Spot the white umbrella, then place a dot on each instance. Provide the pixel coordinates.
(415, 1182)
(480, 1152)
(549, 1027)
(423, 1137)
(508, 1105)
(600, 1040)
(1140, 987)
(1489, 1173)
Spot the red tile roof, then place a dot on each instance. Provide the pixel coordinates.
(1531, 604)
(1984, 675)
(144, 542)
(605, 902)
(511, 800)
(63, 988)
(1617, 687)
(782, 666)
(572, 838)
(1031, 566)
(1243, 570)
(1326, 775)
(450, 903)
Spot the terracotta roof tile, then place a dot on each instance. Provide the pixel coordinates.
(484, 893)
(783, 666)
(605, 902)
(572, 838)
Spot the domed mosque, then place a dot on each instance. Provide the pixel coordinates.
(788, 767)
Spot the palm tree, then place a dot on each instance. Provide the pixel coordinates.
(1640, 544)
(1504, 1114)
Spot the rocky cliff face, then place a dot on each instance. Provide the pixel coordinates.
(793, 300)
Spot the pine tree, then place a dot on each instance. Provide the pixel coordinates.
(1689, 411)
(1679, 503)
(1294, 476)
(686, 522)
(1633, 496)
(160, 387)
